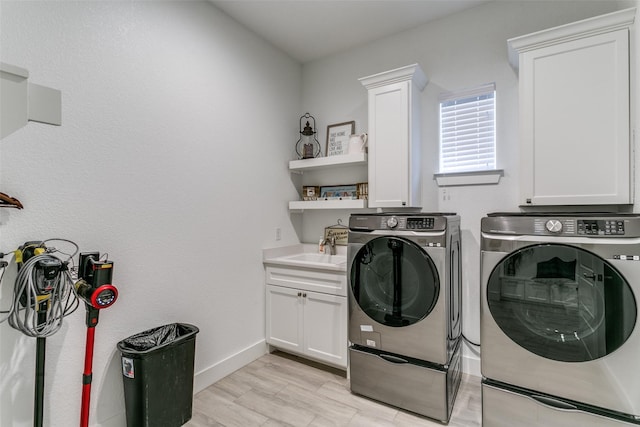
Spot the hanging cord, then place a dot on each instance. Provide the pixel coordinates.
(60, 295)
(464, 337)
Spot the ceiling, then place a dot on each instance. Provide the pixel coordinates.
(311, 29)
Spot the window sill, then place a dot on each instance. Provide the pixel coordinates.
(468, 178)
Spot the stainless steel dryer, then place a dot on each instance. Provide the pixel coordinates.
(404, 277)
(560, 342)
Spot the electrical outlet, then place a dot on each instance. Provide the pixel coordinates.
(278, 233)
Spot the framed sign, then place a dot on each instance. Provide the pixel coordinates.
(338, 138)
(341, 234)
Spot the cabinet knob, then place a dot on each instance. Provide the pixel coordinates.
(304, 295)
(299, 294)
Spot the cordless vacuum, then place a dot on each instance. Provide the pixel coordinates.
(95, 289)
(42, 297)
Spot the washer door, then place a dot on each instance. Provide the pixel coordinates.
(394, 281)
(561, 302)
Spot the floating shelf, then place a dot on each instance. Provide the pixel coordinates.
(22, 101)
(327, 204)
(328, 162)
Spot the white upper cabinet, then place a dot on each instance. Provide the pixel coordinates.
(575, 145)
(395, 178)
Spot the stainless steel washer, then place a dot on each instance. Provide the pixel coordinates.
(404, 277)
(560, 344)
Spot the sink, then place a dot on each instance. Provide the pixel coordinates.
(305, 256)
(316, 258)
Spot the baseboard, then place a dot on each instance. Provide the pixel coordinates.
(221, 369)
(471, 365)
(118, 420)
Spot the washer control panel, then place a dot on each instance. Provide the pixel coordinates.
(587, 225)
(417, 223)
(420, 223)
(601, 226)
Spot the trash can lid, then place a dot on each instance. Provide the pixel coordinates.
(156, 338)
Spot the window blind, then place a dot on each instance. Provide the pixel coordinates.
(467, 130)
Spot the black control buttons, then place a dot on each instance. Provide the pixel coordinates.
(601, 227)
(426, 223)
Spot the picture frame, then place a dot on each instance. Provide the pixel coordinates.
(338, 138)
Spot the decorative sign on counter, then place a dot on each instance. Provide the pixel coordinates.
(338, 138)
(341, 234)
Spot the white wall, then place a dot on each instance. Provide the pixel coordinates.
(172, 157)
(461, 51)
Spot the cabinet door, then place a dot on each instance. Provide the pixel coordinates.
(284, 318)
(574, 118)
(325, 328)
(389, 146)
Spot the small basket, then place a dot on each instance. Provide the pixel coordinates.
(363, 190)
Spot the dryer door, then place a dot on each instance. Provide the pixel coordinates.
(394, 281)
(561, 302)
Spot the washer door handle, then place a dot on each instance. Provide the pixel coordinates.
(393, 359)
(553, 403)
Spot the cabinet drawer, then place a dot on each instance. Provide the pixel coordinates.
(506, 408)
(308, 279)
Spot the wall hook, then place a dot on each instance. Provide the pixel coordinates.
(7, 201)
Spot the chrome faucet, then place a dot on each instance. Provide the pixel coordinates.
(331, 241)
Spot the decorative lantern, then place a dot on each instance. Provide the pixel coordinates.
(308, 146)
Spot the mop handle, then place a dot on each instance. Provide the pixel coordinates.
(86, 377)
(38, 404)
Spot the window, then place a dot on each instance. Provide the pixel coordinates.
(467, 130)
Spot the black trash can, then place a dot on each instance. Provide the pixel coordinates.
(157, 372)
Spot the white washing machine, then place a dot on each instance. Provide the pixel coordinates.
(404, 277)
(560, 340)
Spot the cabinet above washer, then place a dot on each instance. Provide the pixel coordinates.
(575, 139)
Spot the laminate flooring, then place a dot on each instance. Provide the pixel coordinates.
(279, 389)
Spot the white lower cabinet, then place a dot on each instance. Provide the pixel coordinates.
(307, 323)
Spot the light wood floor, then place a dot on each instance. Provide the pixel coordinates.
(281, 390)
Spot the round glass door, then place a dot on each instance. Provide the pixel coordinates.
(394, 281)
(561, 302)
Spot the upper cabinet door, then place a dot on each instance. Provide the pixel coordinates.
(574, 113)
(395, 178)
(389, 171)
